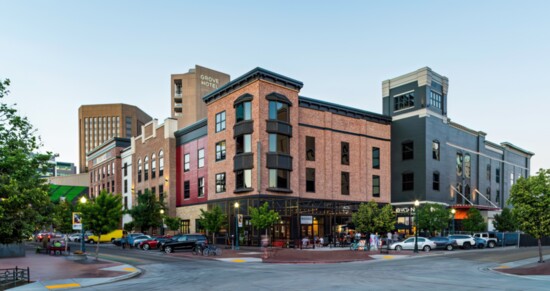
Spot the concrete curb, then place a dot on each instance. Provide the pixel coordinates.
(520, 263)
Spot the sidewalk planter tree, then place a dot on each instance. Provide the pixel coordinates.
(102, 215)
(433, 217)
(213, 220)
(474, 221)
(173, 223)
(23, 194)
(505, 221)
(530, 198)
(263, 218)
(369, 218)
(146, 214)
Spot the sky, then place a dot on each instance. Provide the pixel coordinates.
(60, 55)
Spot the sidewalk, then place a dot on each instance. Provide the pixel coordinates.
(528, 267)
(51, 272)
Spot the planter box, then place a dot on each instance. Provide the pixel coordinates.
(12, 250)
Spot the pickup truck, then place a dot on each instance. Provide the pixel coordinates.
(491, 238)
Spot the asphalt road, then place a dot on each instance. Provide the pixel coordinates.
(458, 270)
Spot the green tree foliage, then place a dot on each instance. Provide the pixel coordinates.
(129, 226)
(102, 215)
(369, 218)
(63, 216)
(505, 221)
(213, 220)
(23, 194)
(474, 221)
(173, 223)
(262, 217)
(433, 217)
(531, 200)
(146, 214)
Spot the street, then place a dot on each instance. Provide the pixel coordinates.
(457, 270)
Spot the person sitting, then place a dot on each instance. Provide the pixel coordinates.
(305, 242)
(321, 242)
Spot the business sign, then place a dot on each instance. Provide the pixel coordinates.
(240, 219)
(306, 219)
(77, 221)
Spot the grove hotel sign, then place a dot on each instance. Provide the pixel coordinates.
(209, 82)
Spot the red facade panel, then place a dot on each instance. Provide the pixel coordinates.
(192, 148)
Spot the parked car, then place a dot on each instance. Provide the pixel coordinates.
(174, 238)
(48, 235)
(444, 243)
(480, 242)
(109, 237)
(463, 240)
(139, 239)
(186, 241)
(153, 243)
(408, 244)
(491, 238)
(129, 239)
(75, 237)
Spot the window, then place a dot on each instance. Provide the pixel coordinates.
(467, 165)
(125, 169)
(161, 163)
(278, 111)
(310, 180)
(153, 166)
(220, 182)
(125, 202)
(344, 147)
(435, 99)
(459, 164)
(112, 186)
(220, 121)
(128, 126)
(201, 187)
(220, 151)
(186, 190)
(243, 179)
(488, 193)
(154, 190)
(244, 111)
(403, 101)
(125, 186)
(376, 158)
(279, 143)
(497, 175)
(161, 193)
(407, 150)
(435, 150)
(497, 198)
(511, 179)
(488, 173)
(201, 158)
(139, 171)
(279, 179)
(310, 148)
(146, 162)
(435, 182)
(185, 228)
(375, 186)
(109, 170)
(244, 144)
(178, 85)
(344, 183)
(186, 161)
(407, 183)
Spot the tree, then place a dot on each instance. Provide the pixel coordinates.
(173, 223)
(262, 217)
(23, 193)
(433, 217)
(129, 226)
(146, 214)
(385, 220)
(505, 221)
(531, 200)
(474, 221)
(102, 215)
(213, 220)
(364, 218)
(63, 216)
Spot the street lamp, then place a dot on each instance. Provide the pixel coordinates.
(453, 211)
(83, 200)
(416, 204)
(237, 226)
(162, 226)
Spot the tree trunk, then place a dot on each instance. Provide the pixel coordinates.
(540, 250)
(97, 247)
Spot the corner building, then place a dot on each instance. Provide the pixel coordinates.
(314, 162)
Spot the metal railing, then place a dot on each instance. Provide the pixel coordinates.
(13, 276)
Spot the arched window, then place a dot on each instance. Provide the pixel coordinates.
(153, 166)
(161, 163)
(139, 171)
(146, 162)
(459, 159)
(435, 150)
(467, 165)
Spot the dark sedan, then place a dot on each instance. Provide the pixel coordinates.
(185, 241)
(444, 243)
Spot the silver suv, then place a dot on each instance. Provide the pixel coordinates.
(463, 240)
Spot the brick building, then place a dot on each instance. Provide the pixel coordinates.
(104, 164)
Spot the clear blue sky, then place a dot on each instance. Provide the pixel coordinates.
(62, 54)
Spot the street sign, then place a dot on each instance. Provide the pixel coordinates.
(240, 219)
(306, 219)
(77, 221)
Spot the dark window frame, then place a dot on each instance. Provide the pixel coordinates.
(186, 190)
(407, 181)
(220, 121)
(344, 153)
(186, 162)
(200, 158)
(310, 180)
(200, 187)
(376, 158)
(310, 148)
(407, 150)
(376, 186)
(220, 150)
(436, 180)
(436, 150)
(220, 182)
(344, 183)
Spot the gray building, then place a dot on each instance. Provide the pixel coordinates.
(437, 160)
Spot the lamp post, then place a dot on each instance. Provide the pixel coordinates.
(162, 226)
(416, 204)
(453, 211)
(83, 200)
(237, 226)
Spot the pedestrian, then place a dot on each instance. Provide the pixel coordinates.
(395, 236)
(389, 237)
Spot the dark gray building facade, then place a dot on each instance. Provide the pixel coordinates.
(436, 160)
